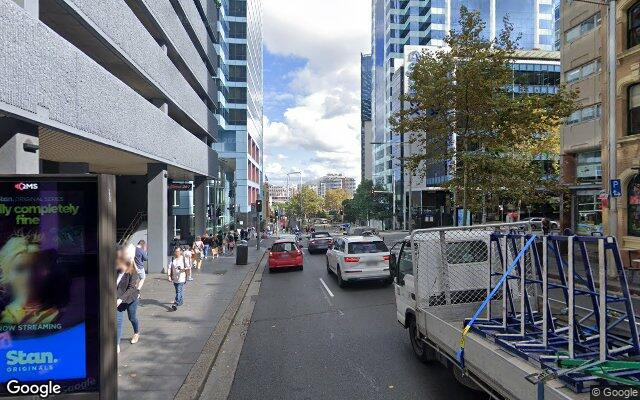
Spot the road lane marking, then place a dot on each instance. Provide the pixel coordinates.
(326, 287)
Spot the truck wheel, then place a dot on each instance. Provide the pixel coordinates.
(341, 283)
(421, 349)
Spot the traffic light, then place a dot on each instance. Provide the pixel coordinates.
(277, 213)
(259, 205)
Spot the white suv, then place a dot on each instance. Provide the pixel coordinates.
(355, 258)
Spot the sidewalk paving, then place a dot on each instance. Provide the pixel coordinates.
(171, 341)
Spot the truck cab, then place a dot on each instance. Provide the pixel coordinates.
(403, 283)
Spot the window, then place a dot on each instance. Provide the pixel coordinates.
(467, 252)
(585, 114)
(633, 29)
(634, 109)
(588, 167)
(367, 247)
(405, 264)
(633, 207)
(283, 247)
(583, 28)
(582, 71)
(588, 212)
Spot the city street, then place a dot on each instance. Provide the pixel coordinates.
(306, 341)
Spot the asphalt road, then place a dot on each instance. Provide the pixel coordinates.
(304, 343)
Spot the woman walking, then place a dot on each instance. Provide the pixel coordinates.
(127, 293)
(198, 250)
(178, 276)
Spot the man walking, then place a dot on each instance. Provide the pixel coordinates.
(140, 258)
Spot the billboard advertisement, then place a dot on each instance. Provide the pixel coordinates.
(49, 284)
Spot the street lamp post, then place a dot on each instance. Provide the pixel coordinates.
(301, 198)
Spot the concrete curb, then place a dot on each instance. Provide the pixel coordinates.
(193, 384)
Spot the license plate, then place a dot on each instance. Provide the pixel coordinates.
(371, 262)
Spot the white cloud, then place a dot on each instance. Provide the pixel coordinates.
(324, 122)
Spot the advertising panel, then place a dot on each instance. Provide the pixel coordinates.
(49, 284)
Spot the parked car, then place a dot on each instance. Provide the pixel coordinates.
(285, 253)
(357, 258)
(319, 242)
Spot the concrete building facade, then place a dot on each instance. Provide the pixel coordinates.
(122, 87)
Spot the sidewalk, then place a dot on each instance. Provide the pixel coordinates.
(170, 342)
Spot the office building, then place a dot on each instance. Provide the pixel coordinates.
(534, 71)
(366, 137)
(397, 24)
(336, 181)
(240, 99)
(585, 137)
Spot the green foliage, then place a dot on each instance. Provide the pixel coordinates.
(311, 206)
(333, 199)
(367, 204)
(466, 88)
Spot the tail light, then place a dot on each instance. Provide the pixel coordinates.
(351, 259)
(386, 258)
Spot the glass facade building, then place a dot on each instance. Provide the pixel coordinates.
(240, 102)
(366, 92)
(398, 23)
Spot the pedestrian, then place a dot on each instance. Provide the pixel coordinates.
(207, 244)
(546, 226)
(178, 276)
(231, 242)
(127, 293)
(140, 258)
(198, 251)
(189, 261)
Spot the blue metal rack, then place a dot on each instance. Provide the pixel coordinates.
(589, 321)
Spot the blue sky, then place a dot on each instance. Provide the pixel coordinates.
(312, 86)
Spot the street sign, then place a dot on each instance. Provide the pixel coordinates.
(616, 188)
(179, 186)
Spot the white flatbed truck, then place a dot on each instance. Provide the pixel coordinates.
(438, 285)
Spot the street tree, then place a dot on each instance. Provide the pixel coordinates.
(311, 205)
(370, 202)
(333, 199)
(463, 111)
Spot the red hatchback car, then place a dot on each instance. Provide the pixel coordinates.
(285, 254)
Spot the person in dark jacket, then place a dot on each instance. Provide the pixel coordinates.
(127, 294)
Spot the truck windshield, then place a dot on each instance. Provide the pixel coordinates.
(367, 247)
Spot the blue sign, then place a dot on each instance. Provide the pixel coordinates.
(616, 188)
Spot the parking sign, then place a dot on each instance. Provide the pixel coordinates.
(616, 188)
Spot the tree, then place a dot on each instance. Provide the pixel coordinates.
(333, 199)
(463, 112)
(350, 211)
(369, 203)
(311, 204)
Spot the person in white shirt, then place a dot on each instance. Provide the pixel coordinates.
(188, 256)
(177, 272)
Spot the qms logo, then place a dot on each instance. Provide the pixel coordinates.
(26, 186)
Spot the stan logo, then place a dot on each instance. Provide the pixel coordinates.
(26, 186)
(15, 357)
